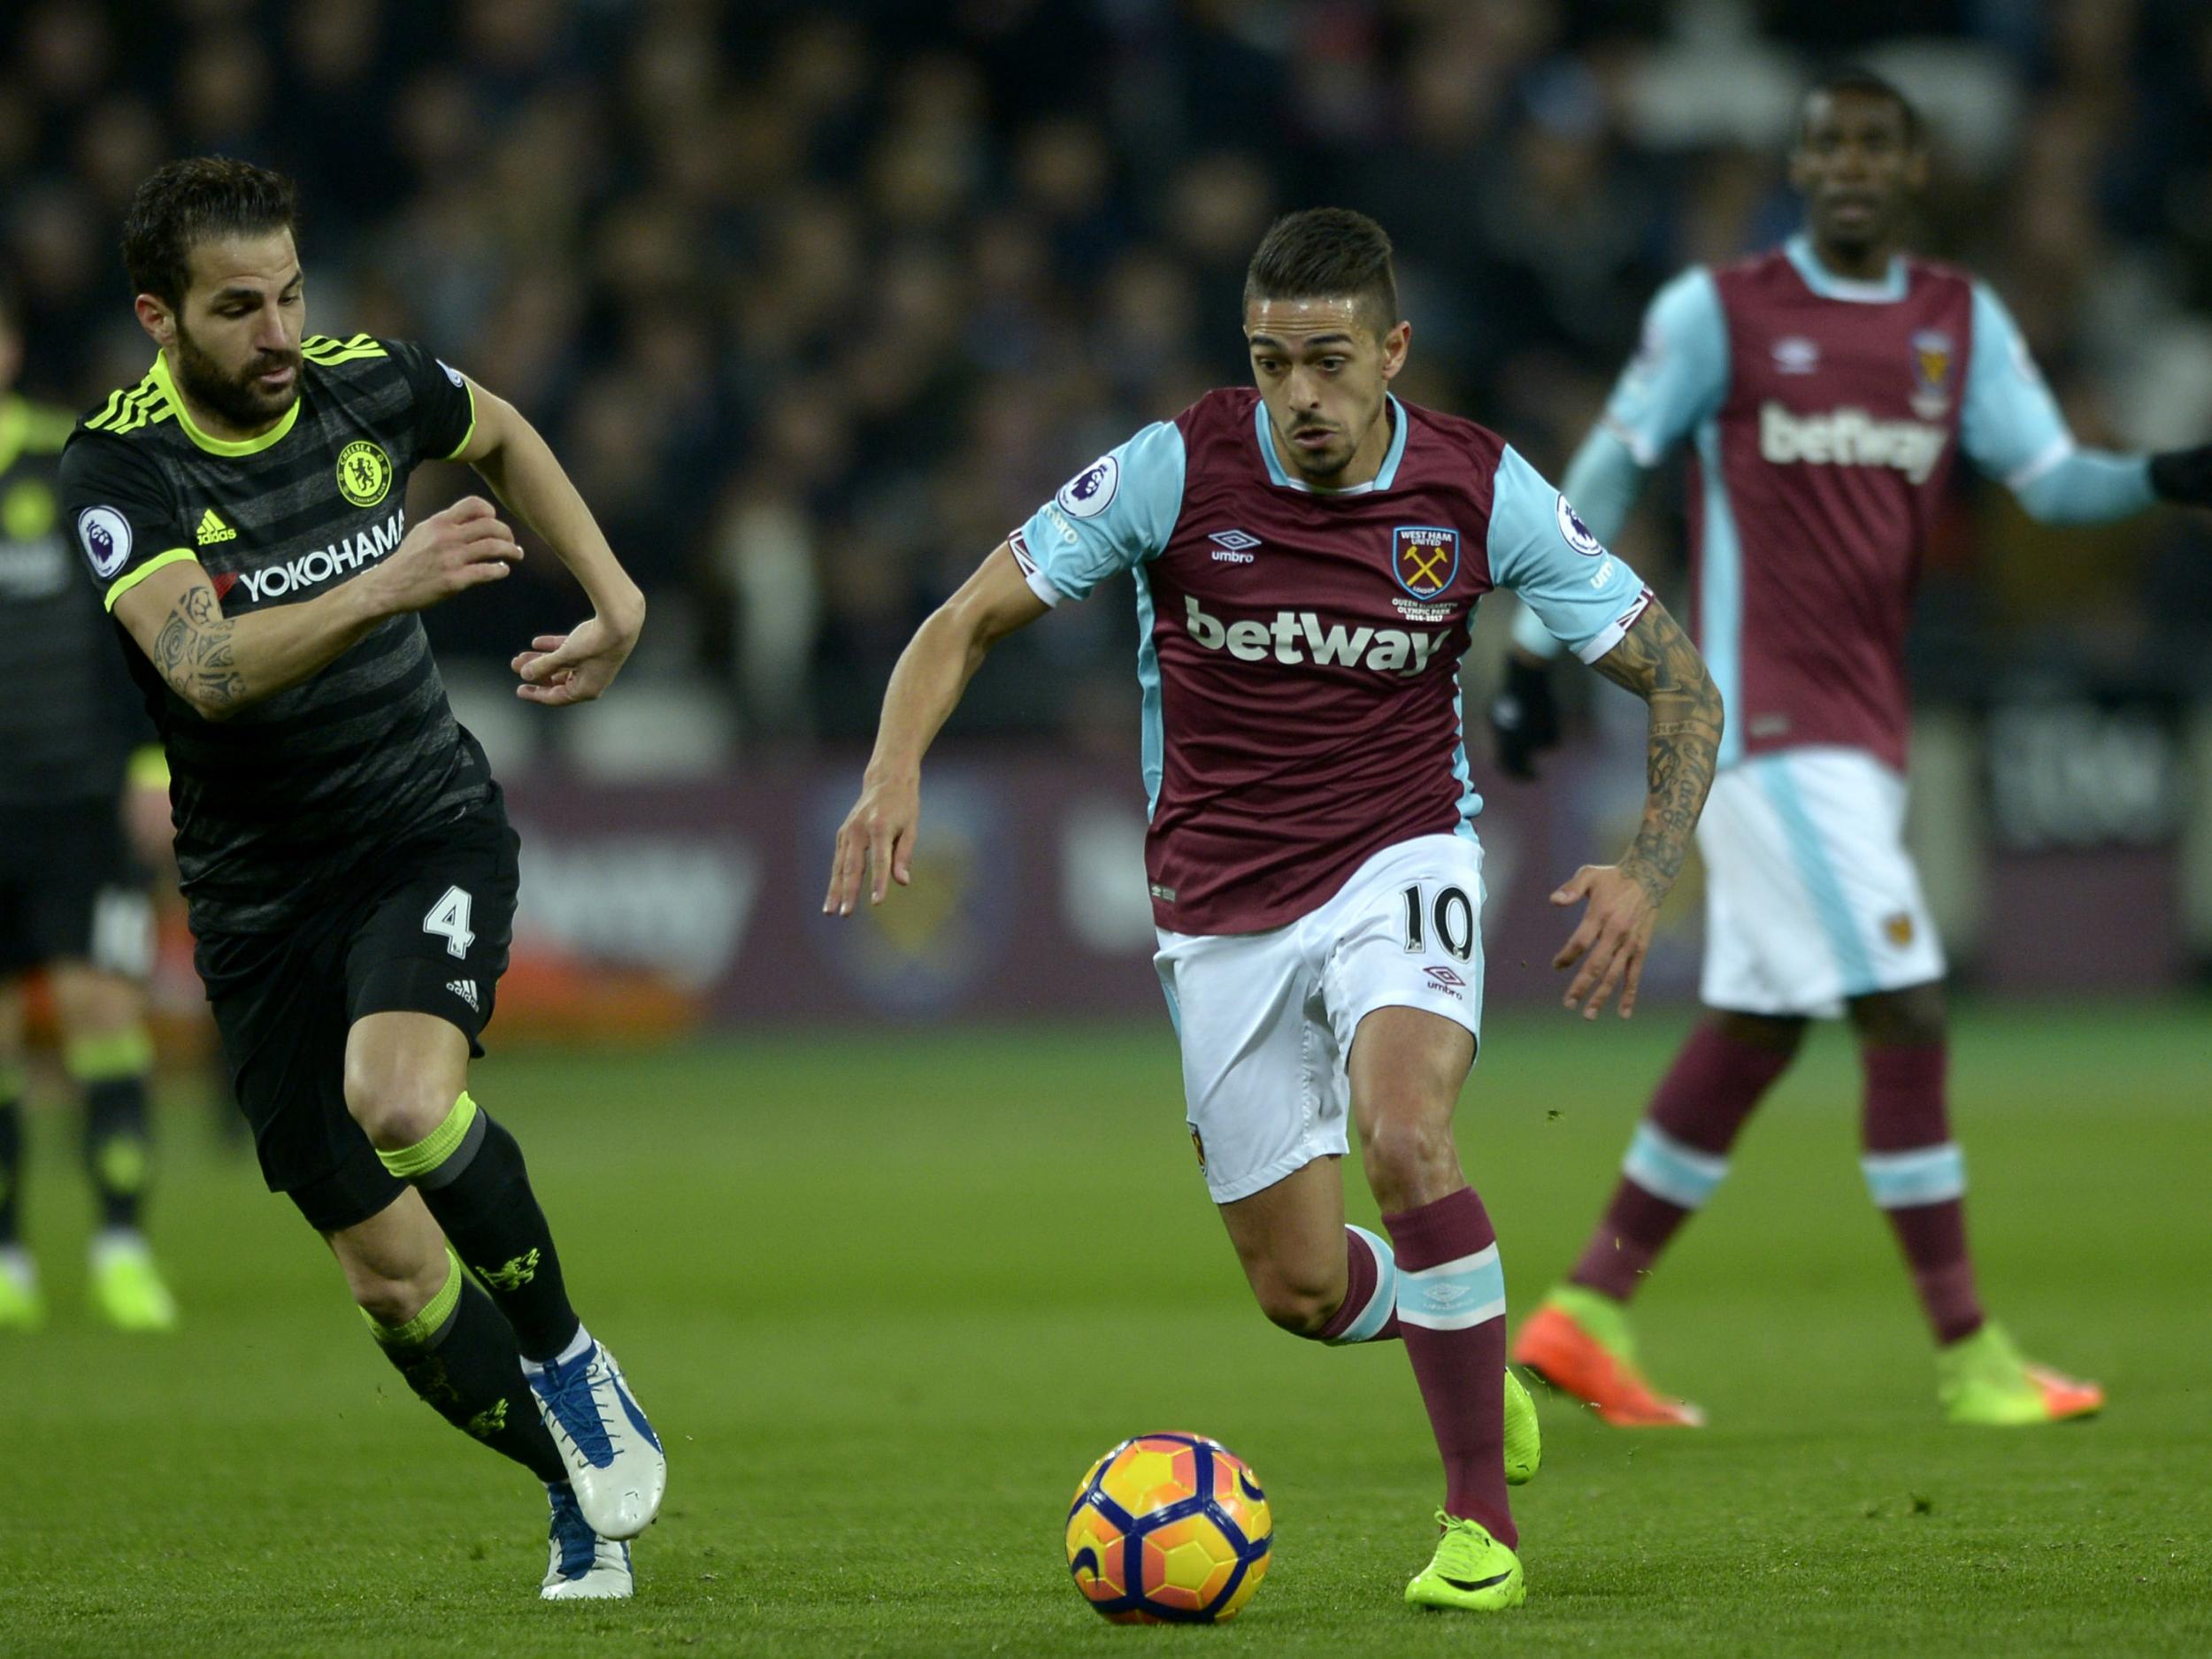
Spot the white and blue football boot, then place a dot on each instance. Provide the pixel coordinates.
(583, 1566)
(614, 1459)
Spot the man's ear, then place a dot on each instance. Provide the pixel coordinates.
(158, 322)
(1394, 345)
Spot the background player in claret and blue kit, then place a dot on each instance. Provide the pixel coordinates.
(1827, 387)
(1307, 559)
(73, 902)
(344, 849)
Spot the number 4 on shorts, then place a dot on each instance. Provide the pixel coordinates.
(449, 919)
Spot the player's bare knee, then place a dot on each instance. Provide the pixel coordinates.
(1912, 1017)
(1299, 1306)
(393, 1298)
(1411, 1157)
(1778, 1034)
(395, 1108)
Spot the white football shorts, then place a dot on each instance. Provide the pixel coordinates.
(1810, 896)
(1267, 1019)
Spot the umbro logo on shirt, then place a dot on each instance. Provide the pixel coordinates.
(1797, 354)
(1233, 546)
(213, 530)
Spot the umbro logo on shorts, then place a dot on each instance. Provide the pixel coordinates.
(1445, 979)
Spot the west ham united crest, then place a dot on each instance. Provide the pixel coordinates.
(1933, 357)
(1423, 558)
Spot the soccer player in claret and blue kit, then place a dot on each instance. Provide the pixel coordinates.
(1307, 557)
(351, 873)
(1827, 387)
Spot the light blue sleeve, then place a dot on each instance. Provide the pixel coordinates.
(1112, 516)
(1679, 373)
(1601, 483)
(1582, 595)
(2012, 428)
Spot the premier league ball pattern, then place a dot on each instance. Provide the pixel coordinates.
(1169, 1529)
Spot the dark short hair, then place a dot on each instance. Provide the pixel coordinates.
(1327, 253)
(1868, 84)
(194, 201)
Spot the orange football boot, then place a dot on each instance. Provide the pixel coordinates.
(1598, 1365)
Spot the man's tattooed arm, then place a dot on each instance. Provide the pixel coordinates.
(197, 655)
(1656, 661)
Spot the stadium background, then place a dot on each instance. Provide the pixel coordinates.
(818, 301)
(815, 302)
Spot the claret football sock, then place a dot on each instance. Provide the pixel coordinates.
(1916, 1176)
(1369, 1312)
(1679, 1155)
(459, 1356)
(471, 1175)
(1451, 1314)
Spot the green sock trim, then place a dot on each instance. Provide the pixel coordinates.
(412, 1163)
(123, 1164)
(432, 1319)
(108, 1059)
(1605, 1319)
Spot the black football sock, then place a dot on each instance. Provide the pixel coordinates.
(111, 1071)
(459, 1356)
(470, 1173)
(117, 1150)
(10, 1159)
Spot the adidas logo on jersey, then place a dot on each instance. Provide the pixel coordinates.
(213, 530)
(1300, 636)
(1849, 437)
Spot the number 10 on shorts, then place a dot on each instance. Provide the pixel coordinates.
(1453, 913)
(449, 919)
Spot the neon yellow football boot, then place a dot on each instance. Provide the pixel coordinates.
(1471, 1571)
(126, 1288)
(21, 1306)
(1983, 1379)
(1524, 1440)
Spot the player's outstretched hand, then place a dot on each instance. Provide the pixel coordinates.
(463, 546)
(875, 844)
(1611, 941)
(559, 669)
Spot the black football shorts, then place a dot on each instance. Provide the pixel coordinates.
(70, 891)
(422, 928)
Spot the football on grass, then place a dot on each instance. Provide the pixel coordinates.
(1169, 1529)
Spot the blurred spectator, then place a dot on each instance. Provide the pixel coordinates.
(819, 301)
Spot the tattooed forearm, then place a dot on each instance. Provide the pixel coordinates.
(1656, 661)
(197, 656)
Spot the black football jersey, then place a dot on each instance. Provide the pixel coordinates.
(276, 805)
(67, 735)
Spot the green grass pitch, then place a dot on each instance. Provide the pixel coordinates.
(888, 1295)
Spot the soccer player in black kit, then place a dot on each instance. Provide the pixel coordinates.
(348, 864)
(72, 903)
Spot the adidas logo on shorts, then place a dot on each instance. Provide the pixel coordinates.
(465, 989)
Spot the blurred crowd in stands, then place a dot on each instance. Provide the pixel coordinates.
(817, 301)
